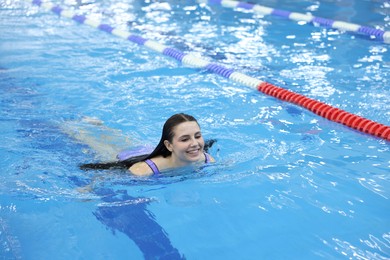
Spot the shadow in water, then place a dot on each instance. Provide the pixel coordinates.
(129, 215)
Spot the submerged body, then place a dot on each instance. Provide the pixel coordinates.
(181, 145)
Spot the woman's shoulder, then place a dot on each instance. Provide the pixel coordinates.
(148, 167)
(141, 169)
(210, 158)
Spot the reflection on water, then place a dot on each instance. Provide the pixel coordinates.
(285, 178)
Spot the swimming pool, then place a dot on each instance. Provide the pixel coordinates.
(287, 184)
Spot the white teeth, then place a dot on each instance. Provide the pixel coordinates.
(193, 151)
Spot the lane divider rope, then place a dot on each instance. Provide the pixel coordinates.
(331, 113)
(378, 34)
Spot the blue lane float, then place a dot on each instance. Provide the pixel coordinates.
(331, 113)
(378, 34)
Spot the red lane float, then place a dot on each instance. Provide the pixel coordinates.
(331, 113)
(319, 108)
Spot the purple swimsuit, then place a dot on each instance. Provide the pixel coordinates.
(156, 171)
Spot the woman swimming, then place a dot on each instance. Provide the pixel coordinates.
(181, 144)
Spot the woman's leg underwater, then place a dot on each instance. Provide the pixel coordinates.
(105, 142)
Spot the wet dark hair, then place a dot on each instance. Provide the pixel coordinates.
(160, 150)
(167, 133)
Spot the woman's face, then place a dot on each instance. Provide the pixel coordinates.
(187, 143)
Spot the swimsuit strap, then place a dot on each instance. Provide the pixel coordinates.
(156, 171)
(207, 156)
(152, 166)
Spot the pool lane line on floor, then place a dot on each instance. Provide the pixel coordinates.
(324, 110)
(378, 34)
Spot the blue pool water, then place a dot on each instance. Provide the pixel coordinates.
(287, 184)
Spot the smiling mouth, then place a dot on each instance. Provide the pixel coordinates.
(196, 151)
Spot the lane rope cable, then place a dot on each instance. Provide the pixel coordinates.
(373, 33)
(324, 110)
